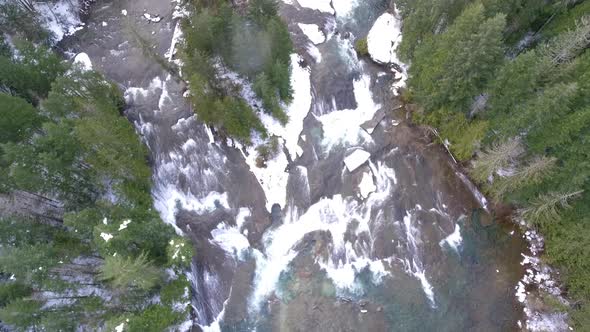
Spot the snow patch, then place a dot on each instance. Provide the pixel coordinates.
(152, 18)
(383, 40)
(313, 32)
(106, 236)
(273, 177)
(124, 224)
(60, 17)
(315, 53)
(356, 159)
(83, 61)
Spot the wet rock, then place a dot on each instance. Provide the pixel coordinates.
(370, 125)
(276, 214)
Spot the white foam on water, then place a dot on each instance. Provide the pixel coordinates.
(272, 178)
(344, 275)
(230, 239)
(328, 214)
(454, 239)
(164, 96)
(476, 193)
(344, 8)
(366, 186)
(243, 213)
(168, 199)
(135, 94)
(415, 267)
(215, 325)
(343, 127)
(426, 286)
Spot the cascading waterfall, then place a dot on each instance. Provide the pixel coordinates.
(366, 236)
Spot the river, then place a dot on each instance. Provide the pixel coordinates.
(400, 243)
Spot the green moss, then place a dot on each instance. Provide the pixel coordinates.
(362, 47)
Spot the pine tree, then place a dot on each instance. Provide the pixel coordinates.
(532, 173)
(546, 208)
(569, 44)
(451, 70)
(123, 272)
(18, 119)
(499, 156)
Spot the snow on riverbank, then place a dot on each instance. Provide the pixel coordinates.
(61, 17)
(383, 40)
(339, 8)
(83, 61)
(273, 178)
(538, 279)
(313, 32)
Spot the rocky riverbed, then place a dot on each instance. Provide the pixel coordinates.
(398, 242)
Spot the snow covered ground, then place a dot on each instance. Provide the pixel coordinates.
(61, 17)
(383, 40)
(384, 37)
(356, 159)
(273, 178)
(83, 61)
(313, 32)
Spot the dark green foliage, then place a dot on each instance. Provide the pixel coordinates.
(423, 18)
(5, 50)
(21, 313)
(63, 135)
(154, 318)
(257, 47)
(18, 119)
(122, 272)
(15, 20)
(30, 76)
(261, 11)
(270, 99)
(10, 291)
(175, 291)
(535, 118)
(451, 69)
